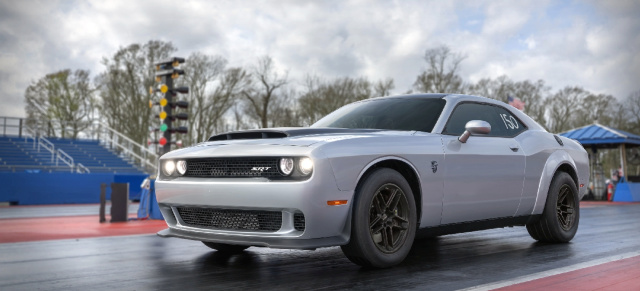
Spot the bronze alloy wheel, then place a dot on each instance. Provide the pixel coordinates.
(565, 207)
(389, 218)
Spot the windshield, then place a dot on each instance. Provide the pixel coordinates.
(387, 113)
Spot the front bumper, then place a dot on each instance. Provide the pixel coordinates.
(324, 225)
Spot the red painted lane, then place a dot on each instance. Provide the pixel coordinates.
(618, 275)
(70, 227)
(589, 204)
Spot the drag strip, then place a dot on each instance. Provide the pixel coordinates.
(446, 263)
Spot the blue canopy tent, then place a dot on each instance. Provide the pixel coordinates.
(597, 136)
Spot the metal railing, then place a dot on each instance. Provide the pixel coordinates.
(29, 134)
(136, 152)
(65, 158)
(47, 145)
(11, 125)
(80, 168)
(58, 155)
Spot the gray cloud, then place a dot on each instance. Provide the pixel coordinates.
(589, 44)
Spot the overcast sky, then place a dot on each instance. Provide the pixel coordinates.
(593, 44)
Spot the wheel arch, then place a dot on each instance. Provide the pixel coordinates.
(559, 161)
(402, 166)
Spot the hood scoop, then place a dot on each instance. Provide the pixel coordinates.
(285, 132)
(248, 135)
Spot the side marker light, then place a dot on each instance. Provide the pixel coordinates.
(336, 202)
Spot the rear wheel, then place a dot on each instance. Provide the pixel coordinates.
(559, 221)
(383, 222)
(225, 248)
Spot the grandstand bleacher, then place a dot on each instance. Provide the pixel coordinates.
(18, 154)
(32, 174)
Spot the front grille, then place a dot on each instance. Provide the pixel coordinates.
(231, 219)
(298, 221)
(233, 167)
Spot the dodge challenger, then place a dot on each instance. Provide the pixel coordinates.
(374, 175)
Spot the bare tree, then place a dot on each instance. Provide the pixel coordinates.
(212, 91)
(264, 89)
(441, 75)
(384, 87)
(125, 84)
(534, 95)
(594, 108)
(65, 98)
(632, 105)
(285, 113)
(200, 71)
(498, 88)
(323, 97)
(561, 107)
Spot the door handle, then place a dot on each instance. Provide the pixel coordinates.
(514, 147)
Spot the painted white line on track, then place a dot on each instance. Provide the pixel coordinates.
(527, 278)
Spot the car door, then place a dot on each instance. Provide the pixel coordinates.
(483, 177)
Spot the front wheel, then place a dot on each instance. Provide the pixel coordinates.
(225, 248)
(559, 221)
(383, 224)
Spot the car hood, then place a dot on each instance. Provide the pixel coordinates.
(259, 141)
(297, 136)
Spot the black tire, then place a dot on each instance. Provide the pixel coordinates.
(225, 248)
(561, 215)
(383, 224)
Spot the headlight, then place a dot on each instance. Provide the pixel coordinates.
(306, 166)
(169, 167)
(181, 166)
(286, 166)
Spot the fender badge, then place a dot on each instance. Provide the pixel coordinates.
(434, 166)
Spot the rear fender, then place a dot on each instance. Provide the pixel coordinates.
(555, 160)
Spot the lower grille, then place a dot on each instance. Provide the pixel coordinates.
(231, 219)
(298, 221)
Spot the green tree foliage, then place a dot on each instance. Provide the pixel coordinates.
(124, 87)
(62, 103)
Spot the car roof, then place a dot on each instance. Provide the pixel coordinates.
(447, 96)
(454, 99)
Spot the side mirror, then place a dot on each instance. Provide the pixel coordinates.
(474, 127)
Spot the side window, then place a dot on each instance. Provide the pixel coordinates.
(502, 122)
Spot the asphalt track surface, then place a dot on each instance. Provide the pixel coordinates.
(143, 262)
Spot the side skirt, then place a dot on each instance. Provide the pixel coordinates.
(475, 225)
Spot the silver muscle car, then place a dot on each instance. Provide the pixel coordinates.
(372, 176)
